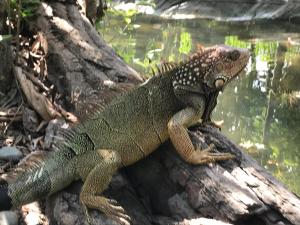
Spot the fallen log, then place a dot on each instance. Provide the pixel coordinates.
(238, 191)
(162, 189)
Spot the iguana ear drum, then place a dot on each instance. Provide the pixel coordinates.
(219, 83)
(5, 200)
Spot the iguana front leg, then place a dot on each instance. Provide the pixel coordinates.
(96, 181)
(177, 128)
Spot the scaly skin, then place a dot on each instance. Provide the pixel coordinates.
(130, 128)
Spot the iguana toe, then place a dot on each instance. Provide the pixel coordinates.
(113, 210)
(205, 156)
(120, 220)
(216, 124)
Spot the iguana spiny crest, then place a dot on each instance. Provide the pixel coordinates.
(214, 66)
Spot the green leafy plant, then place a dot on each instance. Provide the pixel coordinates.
(185, 43)
(29, 8)
(21, 10)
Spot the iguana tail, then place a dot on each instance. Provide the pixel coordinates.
(45, 177)
(5, 200)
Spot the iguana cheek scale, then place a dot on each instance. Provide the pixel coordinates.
(130, 128)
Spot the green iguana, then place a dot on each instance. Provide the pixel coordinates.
(130, 128)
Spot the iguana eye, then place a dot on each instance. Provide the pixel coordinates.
(234, 55)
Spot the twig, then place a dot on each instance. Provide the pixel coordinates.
(5, 167)
(37, 56)
(13, 119)
(10, 113)
(67, 115)
(10, 119)
(38, 101)
(7, 103)
(37, 82)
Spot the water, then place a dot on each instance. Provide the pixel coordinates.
(261, 109)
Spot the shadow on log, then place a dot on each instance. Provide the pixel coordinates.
(160, 189)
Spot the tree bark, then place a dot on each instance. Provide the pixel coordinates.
(161, 189)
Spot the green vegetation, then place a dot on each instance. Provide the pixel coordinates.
(28, 8)
(185, 43)
(235, 41)
(18, 12)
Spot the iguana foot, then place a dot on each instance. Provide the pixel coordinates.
(116, 212)
(87, 215)
(206, 156)
(109, 207)
(96, 169)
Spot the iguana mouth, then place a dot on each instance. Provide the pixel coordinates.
(221, 77)
(227, 79)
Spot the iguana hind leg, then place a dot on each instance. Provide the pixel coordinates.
(97, 180)
(177, 128)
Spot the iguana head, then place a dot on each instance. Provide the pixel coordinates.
(214, 66)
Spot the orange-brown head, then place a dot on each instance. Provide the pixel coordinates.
(214, 66)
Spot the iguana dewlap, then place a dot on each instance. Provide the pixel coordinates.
(130, 128)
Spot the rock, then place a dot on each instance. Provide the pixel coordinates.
(9, 218)
(10, 153)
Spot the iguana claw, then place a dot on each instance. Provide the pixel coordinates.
(216, 124)
(116, 212)
(112, 209)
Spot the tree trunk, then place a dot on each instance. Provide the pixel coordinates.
(161, 189)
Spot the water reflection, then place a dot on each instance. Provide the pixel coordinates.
(261, 110)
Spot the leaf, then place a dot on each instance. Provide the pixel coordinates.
(185, 43)
(38, 101)
(127, 20)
